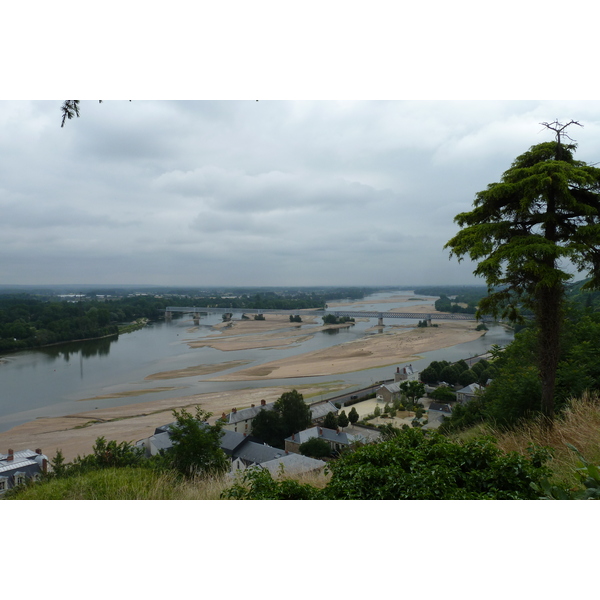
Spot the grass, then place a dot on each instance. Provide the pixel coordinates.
(140, 484)
(125, 484)
(578, 424)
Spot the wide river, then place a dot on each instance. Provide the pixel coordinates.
(65, 379)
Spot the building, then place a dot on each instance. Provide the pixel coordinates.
(319, 410)
(292, 464)
(337, 440)
(241, 420)
(389, 392)
(468, 393)
(18, 467)
(407, 373)
(436, 413)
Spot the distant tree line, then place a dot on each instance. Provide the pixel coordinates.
(30, 322)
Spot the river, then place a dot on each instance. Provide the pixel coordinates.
(65, 379)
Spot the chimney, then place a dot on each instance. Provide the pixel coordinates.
(234, 410)
(338, 430)
(44, 466)
(320, 431)
(224, 416)
(286, 452)
(38, 450)
(397, 369)
(263, 402)
(11, 454)
(293, 436)
(252, 406)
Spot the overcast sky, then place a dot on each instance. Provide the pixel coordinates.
(255, 193)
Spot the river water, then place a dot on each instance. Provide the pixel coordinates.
(64, 379)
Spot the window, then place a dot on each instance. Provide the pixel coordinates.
(19, 478)
(3, 484)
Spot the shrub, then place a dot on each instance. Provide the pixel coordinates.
(315, 448)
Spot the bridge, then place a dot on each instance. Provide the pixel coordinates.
(197, 310)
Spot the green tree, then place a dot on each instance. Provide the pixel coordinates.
(353, 415)
(268, 426)
(295, 413)
(413, 390)
(196, 445)
(467, 377)
(523, 232)
(429, 375)
(330, 421)
(443, 394)
(316, 448)
(343, 419)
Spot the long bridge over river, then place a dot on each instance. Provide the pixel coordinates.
(196, 311)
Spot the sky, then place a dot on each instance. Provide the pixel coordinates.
(373, 129)
(241, 192)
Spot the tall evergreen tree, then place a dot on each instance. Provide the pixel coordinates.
(523, 232)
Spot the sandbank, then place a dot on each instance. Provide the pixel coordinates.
(367, 353)
(246, 335)
(196, 370)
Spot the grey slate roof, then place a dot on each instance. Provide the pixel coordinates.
(24, 461)
(393, 388)
(321, 409)
(293, 464)
(470, 389)
(254, 453)
(247, 413)
(326, 434)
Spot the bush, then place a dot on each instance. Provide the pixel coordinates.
(413, 465)
(315, 448)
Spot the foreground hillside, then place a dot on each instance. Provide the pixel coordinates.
(520, 464)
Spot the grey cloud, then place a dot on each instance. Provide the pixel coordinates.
(270, 193)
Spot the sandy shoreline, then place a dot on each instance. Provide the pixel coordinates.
(75, 434)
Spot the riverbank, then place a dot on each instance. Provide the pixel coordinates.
(75, 434)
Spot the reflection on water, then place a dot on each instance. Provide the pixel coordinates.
(86, 349)
(52, 381)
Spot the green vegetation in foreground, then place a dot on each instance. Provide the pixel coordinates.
(125, 483)
(412, 465)
(528, 462)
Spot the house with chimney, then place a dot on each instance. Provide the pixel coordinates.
(241, 420)
(391, 391)
(16, 468)
(406, 373)
(337, 440)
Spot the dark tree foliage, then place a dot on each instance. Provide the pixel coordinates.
(315, 448)
(443, 394)
(343, 420)
(268, 427)
(429, 375)
(543, 214)
(353, 415)
(290, 415)
(295, 413)
(196, 445)
(330, 421)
